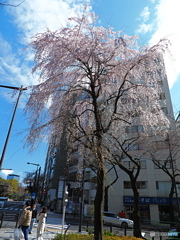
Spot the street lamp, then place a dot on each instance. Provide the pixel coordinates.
(12, 120)
(36, 180)
(36, 164)
(6, 169)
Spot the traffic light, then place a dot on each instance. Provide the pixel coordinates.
(66, 193)
(44, 190)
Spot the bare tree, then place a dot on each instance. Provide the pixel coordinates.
(164, 152)
(30, 181)
(87, 71)
(111, 183)
(123, 150)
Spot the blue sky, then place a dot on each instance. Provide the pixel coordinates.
(150, 19)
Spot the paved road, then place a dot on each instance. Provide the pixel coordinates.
(54, 224)
(12, 206)
(53, 221)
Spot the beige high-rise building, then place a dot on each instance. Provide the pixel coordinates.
(153, 183)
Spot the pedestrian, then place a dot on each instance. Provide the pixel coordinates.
(33, 219)
(25, 219)
(41, 223)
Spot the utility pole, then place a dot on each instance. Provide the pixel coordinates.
(37, 187)
(65, 201)
(82, 197)
(12, 120)
(36, 178)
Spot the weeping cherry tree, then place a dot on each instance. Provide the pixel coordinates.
(85, 71)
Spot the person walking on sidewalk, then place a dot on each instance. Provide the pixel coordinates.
(34, 216)
(41, 223)
(25, 219)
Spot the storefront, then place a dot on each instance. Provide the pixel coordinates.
(128, 208)
(154, 209)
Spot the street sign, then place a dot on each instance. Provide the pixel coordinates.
(33, 195)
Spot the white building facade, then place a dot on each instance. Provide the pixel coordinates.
(153, 183)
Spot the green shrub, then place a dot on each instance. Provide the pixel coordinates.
(107, 236)
(108, 233)
(90, 231)
(74, 236)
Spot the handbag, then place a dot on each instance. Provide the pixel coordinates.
(18, 234)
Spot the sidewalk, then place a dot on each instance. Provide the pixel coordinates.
(53, 226)
(8, 234)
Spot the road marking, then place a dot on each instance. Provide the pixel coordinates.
(11, 209)
(48, 225)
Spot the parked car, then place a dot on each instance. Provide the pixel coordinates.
(3, 201)
(114, 219)
(174, 233)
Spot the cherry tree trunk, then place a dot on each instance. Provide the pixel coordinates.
(98, 202)
(106, 199)
(136, 212)
(171, 207)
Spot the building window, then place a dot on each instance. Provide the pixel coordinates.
(160, 145)
(134, 114)
(127, 164)
(164, 109)
(160, 83)
(131, 147)
(124, 100)
(127, 185)
(139, 184)
(134, 129)
(128, 100)
(163, 186)
(142, 185)
(178, 126)
(87, 176)
(166, 164)
(143, 164)
(162, 96)
(130, 164)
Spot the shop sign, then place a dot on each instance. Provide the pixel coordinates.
(150, 200)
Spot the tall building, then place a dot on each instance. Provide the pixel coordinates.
(13, 176)
(153, 184)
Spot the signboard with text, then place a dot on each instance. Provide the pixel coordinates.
(150, 200)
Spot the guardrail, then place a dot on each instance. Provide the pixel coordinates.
(9, 217)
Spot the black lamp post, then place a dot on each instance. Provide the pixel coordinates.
(37, 175)
(82, 197)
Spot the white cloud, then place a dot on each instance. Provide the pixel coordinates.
(36, 16)
(5, 172)
(145, 14)
(167, 25)
(14, 69)
(144, 17)
(30, 18)
(144, 28)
